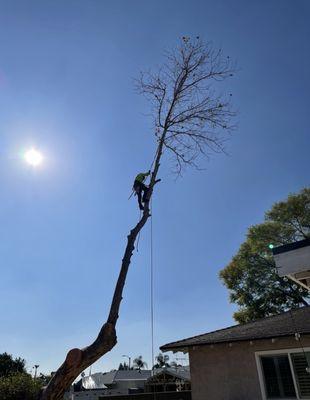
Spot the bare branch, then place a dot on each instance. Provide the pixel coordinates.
(190, 120)
(196, 119)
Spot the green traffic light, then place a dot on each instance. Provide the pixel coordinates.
(271, 246)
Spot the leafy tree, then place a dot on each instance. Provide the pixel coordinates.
(124, 367)
(10, 365)
(138, 363)
(162, 361)
(15, 382)
(19, 386)
(191, 118)
(252, 277)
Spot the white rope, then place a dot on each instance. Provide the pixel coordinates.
(152, 298)
(152, 288)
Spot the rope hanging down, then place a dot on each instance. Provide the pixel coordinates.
(152, 296)
(152, 287)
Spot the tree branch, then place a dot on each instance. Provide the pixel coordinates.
(180, 96)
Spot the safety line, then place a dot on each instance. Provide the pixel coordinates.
(152, 297)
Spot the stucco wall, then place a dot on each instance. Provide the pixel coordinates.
(221, 372)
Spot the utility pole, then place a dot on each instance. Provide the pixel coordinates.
(35, 370)
(129, 360)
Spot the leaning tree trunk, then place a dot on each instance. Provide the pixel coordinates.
(77, 360)
(190, 117)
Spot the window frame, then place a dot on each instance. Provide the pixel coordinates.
(259, 367)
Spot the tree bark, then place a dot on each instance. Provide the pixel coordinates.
(77, 360)
(187, 111)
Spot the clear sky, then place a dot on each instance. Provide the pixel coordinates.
(66, 87)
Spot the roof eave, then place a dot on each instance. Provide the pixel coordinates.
(181, 347)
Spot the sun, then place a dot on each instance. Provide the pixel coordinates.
(33, 157)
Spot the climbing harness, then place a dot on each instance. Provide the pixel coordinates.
(150, 169)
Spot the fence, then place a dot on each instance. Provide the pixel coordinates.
(184, 395)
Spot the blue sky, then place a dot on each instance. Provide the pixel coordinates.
(66, 87)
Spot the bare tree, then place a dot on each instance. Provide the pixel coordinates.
(191, 119)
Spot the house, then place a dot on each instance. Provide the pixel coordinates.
(129, 382)
(169, 379)
(110, 383)
(293, 261)
(265, 359)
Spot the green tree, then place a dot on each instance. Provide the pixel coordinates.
(251, 276)
(19, 386)
(10, 365)
(124, 367)
(138, 363)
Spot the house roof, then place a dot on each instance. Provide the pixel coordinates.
(285, 324)
(291, 246)
(108, 377)
(134, 374)
(99, 380)
(178, 372)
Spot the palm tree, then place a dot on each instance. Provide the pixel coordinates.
(162, 361)
(138, 363)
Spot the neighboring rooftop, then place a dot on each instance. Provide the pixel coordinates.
(98, 380)
(101, 380)
(132, 374)
(285, 324)
(291, 246)
(178, 372)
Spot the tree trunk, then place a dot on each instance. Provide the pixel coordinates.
(77, 360)
(185, 110)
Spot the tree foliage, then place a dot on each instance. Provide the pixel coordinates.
(15, 382)
(124, 367)
(10, 365)
(251, 276)
(19, 386)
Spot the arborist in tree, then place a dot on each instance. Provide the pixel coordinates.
(140, 188)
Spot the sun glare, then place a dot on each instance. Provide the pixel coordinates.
(33, 157)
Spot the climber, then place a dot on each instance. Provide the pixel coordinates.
(140, 188)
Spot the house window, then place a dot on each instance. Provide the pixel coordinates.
(284, 374)
(301, 362)
(278, 378)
